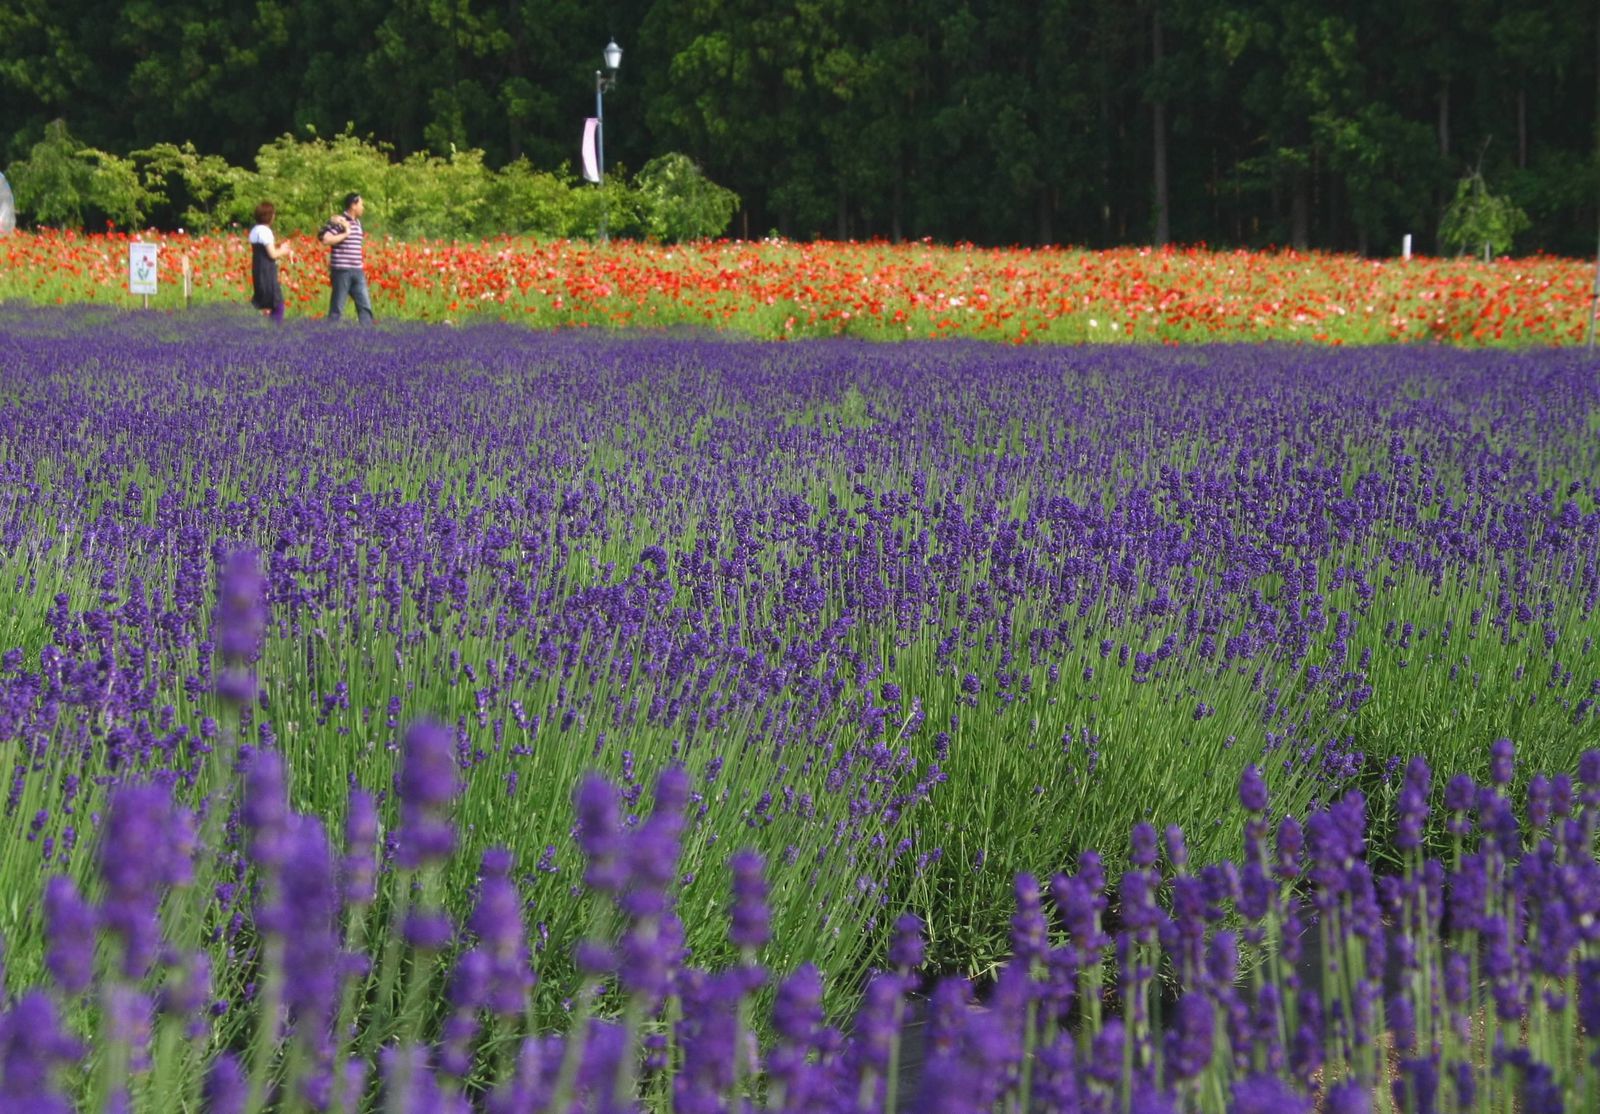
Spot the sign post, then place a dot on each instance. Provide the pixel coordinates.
(142, 269)
(188, 280)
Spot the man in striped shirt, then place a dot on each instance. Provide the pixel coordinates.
(346, 266)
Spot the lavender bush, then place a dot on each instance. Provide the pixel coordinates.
(1472, 984)
(906, 624)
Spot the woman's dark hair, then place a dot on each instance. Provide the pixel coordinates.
(265, 212)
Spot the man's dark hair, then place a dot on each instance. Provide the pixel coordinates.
(350, 199)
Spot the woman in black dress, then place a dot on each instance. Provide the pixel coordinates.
(265, 252)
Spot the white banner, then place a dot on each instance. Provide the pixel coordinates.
(591, 149)
(142, 268)
(8, 209)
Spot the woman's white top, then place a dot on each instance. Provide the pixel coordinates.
(261, 234)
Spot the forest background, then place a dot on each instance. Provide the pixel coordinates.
(1094, 122)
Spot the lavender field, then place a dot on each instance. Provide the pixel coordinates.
(433, 719)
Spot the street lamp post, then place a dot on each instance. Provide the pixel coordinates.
(602, 82)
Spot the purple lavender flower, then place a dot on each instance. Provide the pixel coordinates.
(427, 785)
(750, 920)
(1540, 1090)
(265, 808)
(1030, 934)
(1252, 790)
(33, 1045)
(713, 1044)
(648, 955)
(651, 857)
(427, 930)
(1146, 845)
(226, 1089)
(1502, 755)
(1417, 1089)
(1561, 796)
(241, 615)
(1177, 848)
(1147, 1100)
(1189, 1041)
(906, 951)
(1307, 1051)
(1460, 793)
(1348, 1097)
(468, 991)
(797, 1007)
(1539, 802)
(143, 850)
(1498, 820)
(1267, 1094)
(1589, 776)
(599, 834)
(358, 875)
(428, 773)
(1106, 1053)
(410, 1086)
(1412, 807)
(497, 922)
(310, 908)
(69, 924)
(1589, 995)
(187, 991)
(1291, 842)
(877, 1025)
(604, 1046)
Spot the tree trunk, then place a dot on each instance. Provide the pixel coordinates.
(1444, 118)
(897, 198)
(1105, 160)
(1159, 126)
(1300, 211)
(1444, 150)
(1522, 127)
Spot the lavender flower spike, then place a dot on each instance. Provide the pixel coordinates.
(751, 923)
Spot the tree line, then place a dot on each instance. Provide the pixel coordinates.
(1097, 122)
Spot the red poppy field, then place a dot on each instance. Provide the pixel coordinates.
(777, 289)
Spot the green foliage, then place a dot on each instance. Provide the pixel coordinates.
(425, 196)
(306, 179)
(679, 202)
(1383, 160)
(1284, 120)
(193, 186)
(64, 182)
(529, 201)
(436, 198)
(1479, 219)
(613, 198)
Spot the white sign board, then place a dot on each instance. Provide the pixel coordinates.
(142, 268)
